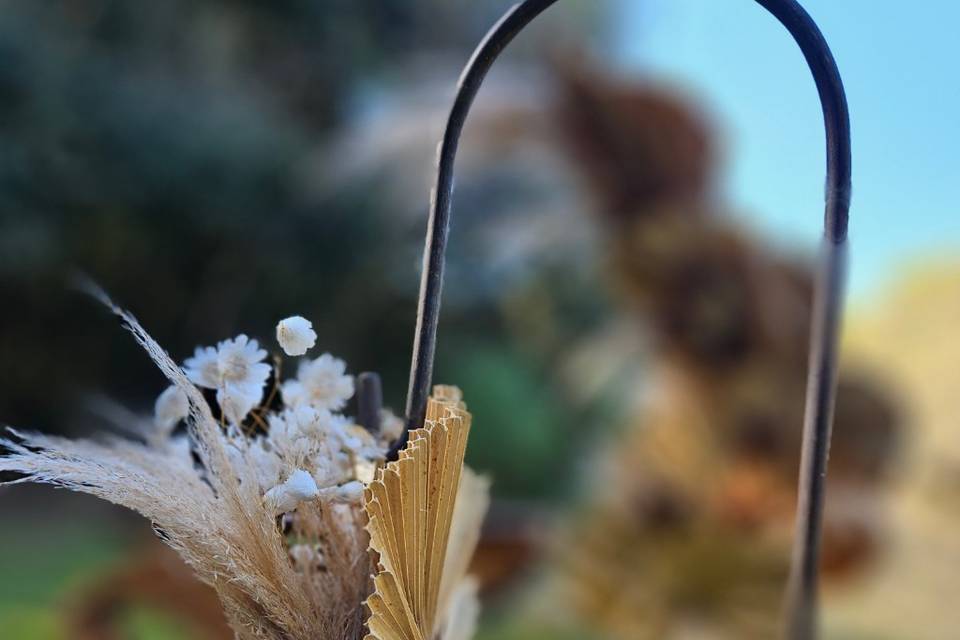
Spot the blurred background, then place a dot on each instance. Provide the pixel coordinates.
(637, 213)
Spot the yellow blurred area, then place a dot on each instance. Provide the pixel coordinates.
(908, 338)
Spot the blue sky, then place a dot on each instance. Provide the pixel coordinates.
(899, 62)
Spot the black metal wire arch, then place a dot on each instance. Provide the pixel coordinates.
(821, 383)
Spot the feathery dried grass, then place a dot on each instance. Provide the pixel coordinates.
(213, 514)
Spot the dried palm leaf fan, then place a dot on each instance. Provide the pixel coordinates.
(800, 617)
(425, 511)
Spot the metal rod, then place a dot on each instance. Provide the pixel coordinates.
(438, 222)
(800, 618)
(827, 309)
(800, 614)
(369, 401)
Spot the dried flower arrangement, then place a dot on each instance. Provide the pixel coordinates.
(272, 507)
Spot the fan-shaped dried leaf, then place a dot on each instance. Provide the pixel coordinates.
(425, 513)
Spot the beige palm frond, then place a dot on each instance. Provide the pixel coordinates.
(425, 512)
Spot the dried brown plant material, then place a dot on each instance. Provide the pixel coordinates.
(425, 513)
(639, 147)
(724, 311)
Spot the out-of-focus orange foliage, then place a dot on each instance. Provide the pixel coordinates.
(156, 578)
(689, 528)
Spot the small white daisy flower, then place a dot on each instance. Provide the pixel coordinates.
(321, 383)
(203, 368)
(235, 369)
(299, 487)
(298, 436)
(240, 361)
(170, 408)
(296, 335)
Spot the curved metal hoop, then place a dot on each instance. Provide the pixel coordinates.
(821, 383)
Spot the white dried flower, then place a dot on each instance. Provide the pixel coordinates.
(236, 370)
(170, 408)
(203, 369)
(297, 436)
(348, 493)
(391, 425)
(180, 449)
(299, 487)
(296, 335)
(321, 383)
(266, 463)
(308, 420)
(237, 402)
(358, 441)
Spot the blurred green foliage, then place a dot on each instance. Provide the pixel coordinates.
(167, 149)
(43, 564)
